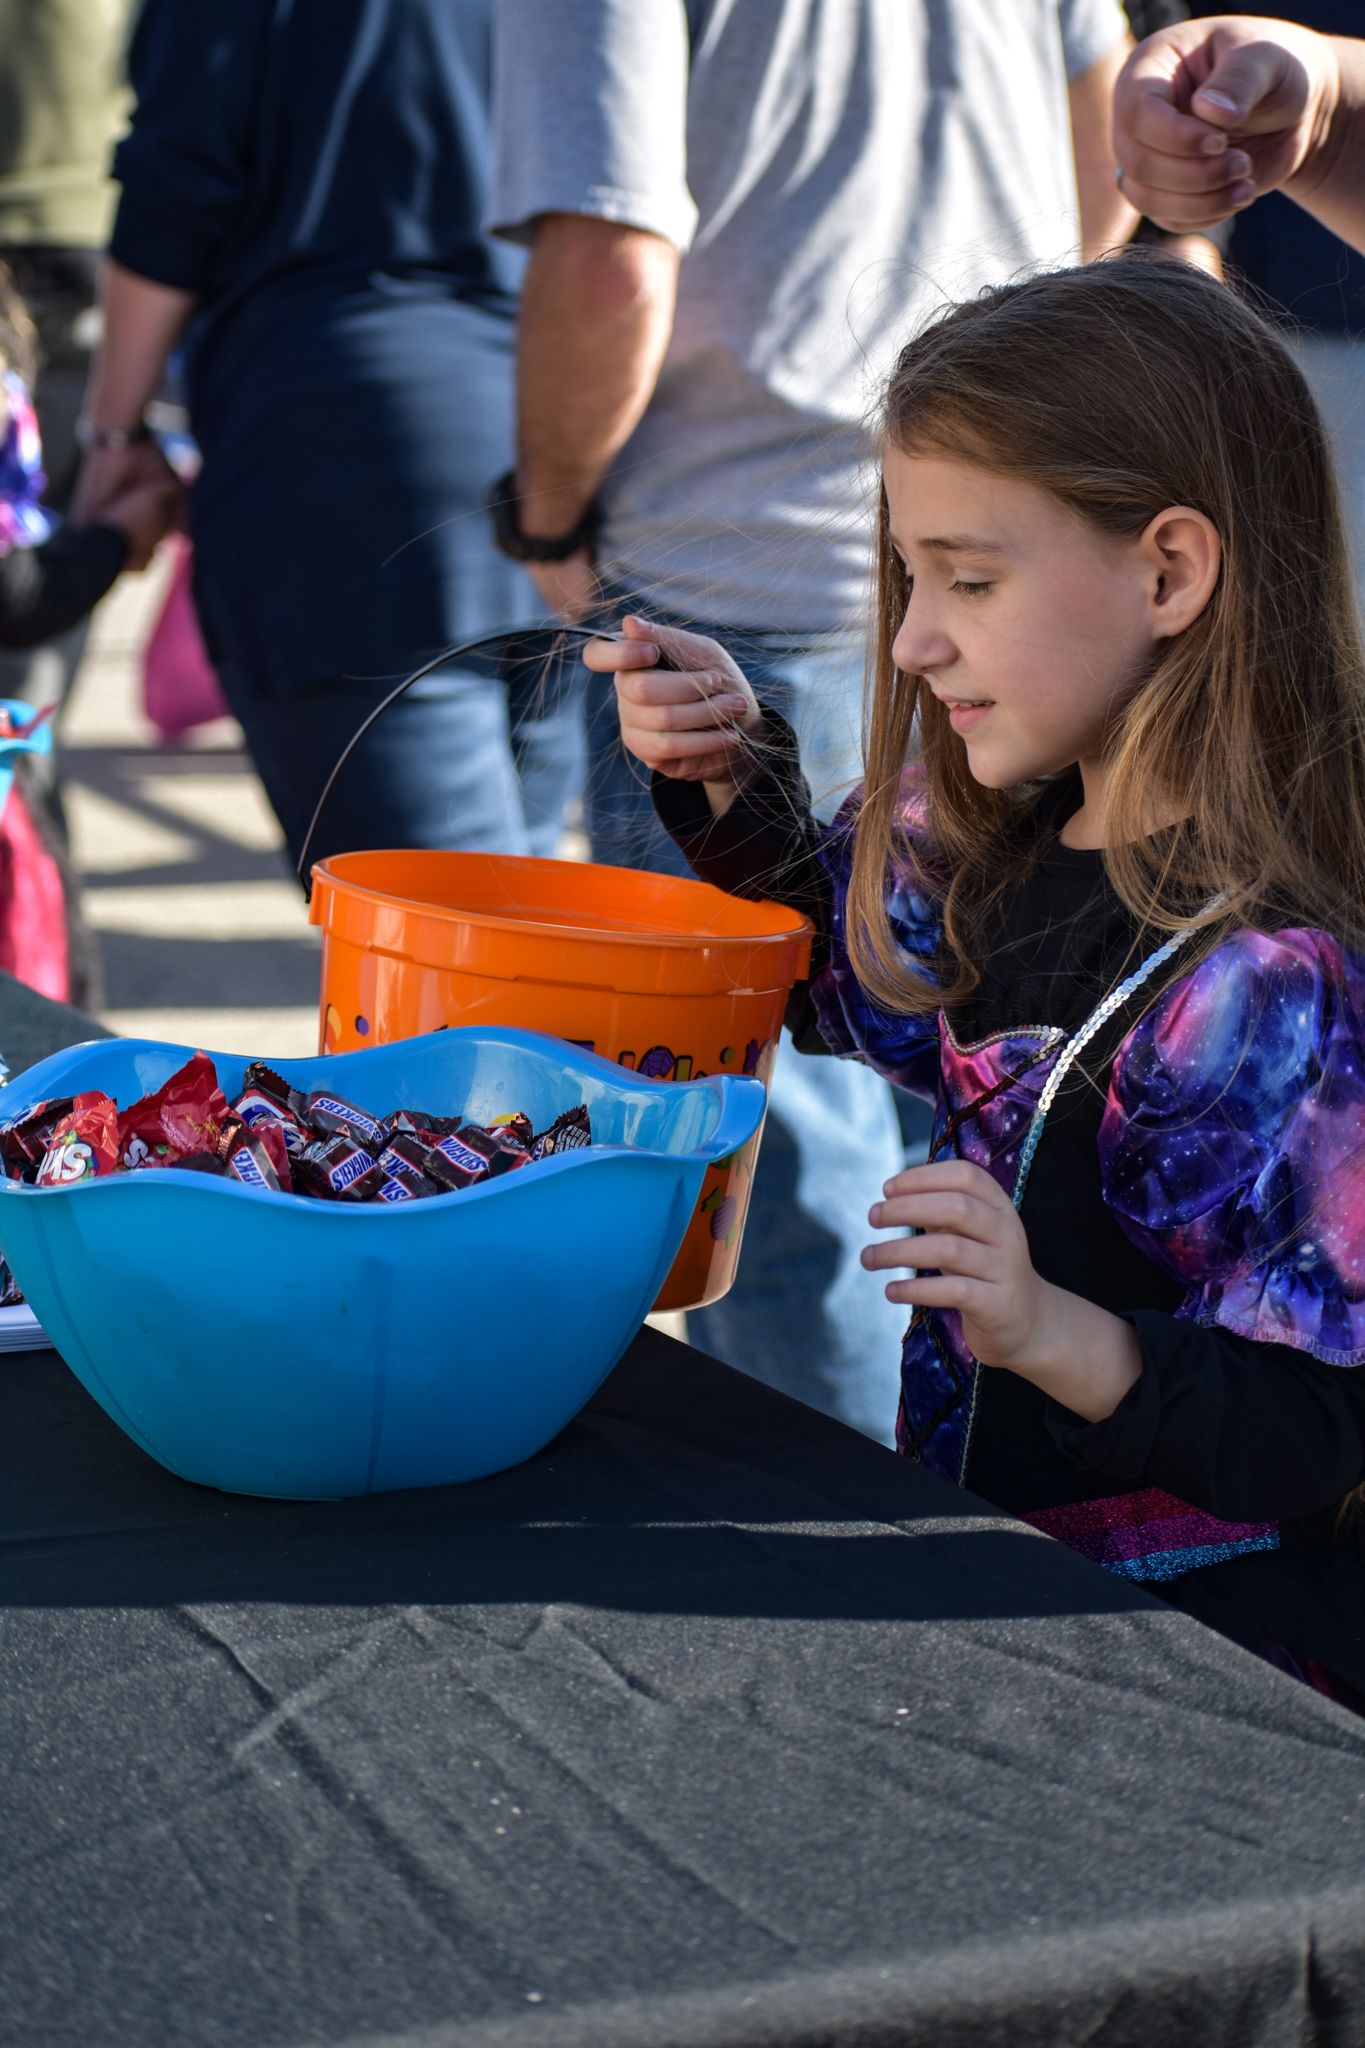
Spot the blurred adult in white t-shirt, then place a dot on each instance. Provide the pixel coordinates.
(738, 210)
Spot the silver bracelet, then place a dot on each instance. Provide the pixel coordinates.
(91, 436)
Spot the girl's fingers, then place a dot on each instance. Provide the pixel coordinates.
(939, 1252)
(965, 1215)
(954, 1176)
(708, 713)
(947, 1290)
(613, 656)
(657, 749)
(667, 687)
(679, 648)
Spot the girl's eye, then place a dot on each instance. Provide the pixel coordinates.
(969, 589)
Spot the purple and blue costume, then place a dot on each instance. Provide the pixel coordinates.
(1231, 1154)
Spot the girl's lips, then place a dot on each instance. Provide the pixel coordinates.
(966, 717)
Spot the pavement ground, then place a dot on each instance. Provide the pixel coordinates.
(204, 934)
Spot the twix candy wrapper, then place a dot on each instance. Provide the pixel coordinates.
(84, 1143)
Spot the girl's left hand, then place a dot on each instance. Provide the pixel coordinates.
(974, 1245)
(977, 1254)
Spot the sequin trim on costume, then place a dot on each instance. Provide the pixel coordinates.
(1151, 1534)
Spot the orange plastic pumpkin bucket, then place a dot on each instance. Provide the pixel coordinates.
(673, 978)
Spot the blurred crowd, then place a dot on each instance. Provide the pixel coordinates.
(468, 316)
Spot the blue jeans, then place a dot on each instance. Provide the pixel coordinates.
(485, 763)
(803, 1316)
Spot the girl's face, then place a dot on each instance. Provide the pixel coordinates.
(1028, 624)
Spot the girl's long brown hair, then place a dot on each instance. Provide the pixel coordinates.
(1121, 389)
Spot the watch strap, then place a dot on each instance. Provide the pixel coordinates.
(501, 501)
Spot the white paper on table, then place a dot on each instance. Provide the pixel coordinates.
(20, 1330)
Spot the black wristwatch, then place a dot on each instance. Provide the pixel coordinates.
(501, 502)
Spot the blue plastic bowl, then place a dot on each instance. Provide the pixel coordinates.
(271, 1344)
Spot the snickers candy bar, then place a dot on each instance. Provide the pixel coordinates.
(420, 1123)
(248, 1160)
(339, 1170)
(259, 1079)
(499, 1148)
(256, 1107)
(568, 1133)
(454, 1164)
(404, 1160)
(332, 1115)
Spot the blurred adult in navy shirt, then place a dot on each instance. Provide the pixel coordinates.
(301, 196)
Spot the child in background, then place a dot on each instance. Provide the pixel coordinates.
(50, 579)
(1112, 922)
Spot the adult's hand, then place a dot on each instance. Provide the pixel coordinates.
(109, 473)
(1210, 114)
(570, 588)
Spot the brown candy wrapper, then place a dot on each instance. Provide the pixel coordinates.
(502, 1151)
(515, 1125)
(333, 1116)
(338, 1170)
(255, 1108)
(420, 1123)
(259, 1160)
(568, 1133)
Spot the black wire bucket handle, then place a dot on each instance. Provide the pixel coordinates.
(549, 641)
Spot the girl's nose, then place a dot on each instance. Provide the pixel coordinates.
(920, 648)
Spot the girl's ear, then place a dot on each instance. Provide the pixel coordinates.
(1181, 554)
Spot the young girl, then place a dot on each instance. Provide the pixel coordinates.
(1112, 921)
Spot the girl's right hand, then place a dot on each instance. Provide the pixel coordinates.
(695, 720)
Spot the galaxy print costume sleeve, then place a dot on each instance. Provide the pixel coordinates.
(904, 1049)
(1232, 1149)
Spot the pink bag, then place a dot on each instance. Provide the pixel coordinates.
(179, 684)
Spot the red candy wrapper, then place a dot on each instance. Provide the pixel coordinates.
(24, 1141)
(83, 1144)
(185, 1115)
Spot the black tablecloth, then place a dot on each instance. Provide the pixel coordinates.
(715, 1723)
